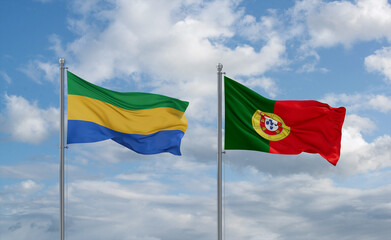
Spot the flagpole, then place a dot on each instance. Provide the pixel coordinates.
(62, 147)
(219, 153)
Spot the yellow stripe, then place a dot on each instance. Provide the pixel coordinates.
(146, 121)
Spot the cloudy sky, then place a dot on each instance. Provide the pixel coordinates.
(337, 52)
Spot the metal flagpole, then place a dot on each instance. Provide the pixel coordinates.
(219, 153)
(62, 147)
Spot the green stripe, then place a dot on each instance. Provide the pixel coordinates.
(240, 105)
(125, 100)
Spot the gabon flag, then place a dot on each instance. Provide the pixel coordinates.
(143, 122)
(253, 122)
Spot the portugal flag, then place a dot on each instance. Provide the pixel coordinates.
(253, 122)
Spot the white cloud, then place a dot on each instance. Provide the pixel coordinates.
(311, 67)
(350, 101)
(5, 76)
(354, 102)
(344, 22)
(319, 23)
(381, 103)
(199, 137)
(26, 122)
(33, 171)
(358, 155)
(244, 60)
(380, 62)
(267, 84)
(24, 188)
(266, 28)
(135, 176)
(38, 71)
(295, 207)
(178, 46)
(303, 207)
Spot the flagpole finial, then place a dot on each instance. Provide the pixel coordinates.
(62, 61)
(219, 67)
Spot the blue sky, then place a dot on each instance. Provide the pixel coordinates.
(337, 52)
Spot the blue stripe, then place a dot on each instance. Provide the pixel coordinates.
(163, 141)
